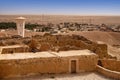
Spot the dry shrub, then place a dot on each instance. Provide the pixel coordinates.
(33, 45)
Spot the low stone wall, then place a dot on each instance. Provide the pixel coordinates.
(108, 73)
(111, 64)
(19, 67)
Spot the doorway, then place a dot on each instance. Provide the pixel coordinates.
(73, 66)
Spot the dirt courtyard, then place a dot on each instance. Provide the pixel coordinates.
(80, 76)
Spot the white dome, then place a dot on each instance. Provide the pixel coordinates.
(20, 18)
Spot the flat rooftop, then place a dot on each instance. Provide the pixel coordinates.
(45, 54)
(74, 53)
(25, 55)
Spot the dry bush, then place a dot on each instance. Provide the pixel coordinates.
(33, 45)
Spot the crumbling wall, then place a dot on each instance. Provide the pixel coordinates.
(14, 50)
(111, 64)
(74, 42)
(101, 50)
(63, 43)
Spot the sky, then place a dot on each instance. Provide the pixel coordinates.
(60, 7)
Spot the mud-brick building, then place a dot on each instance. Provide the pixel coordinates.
(74, 61)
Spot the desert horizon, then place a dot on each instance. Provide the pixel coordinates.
(115, 20)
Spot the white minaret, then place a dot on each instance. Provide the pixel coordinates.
(20, 21)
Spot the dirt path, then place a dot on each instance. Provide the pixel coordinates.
(80, 76)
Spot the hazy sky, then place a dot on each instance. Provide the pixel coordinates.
(70, 7)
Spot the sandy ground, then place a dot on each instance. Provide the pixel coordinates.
(109, 38)
(113, 51)
(80, 76)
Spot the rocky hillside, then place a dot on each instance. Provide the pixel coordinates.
(110, 38)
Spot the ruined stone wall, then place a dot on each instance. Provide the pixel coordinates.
(113, 65)
(101, 50)
(16, 67)
(75, 42)
(64, 43)
(15, 50)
